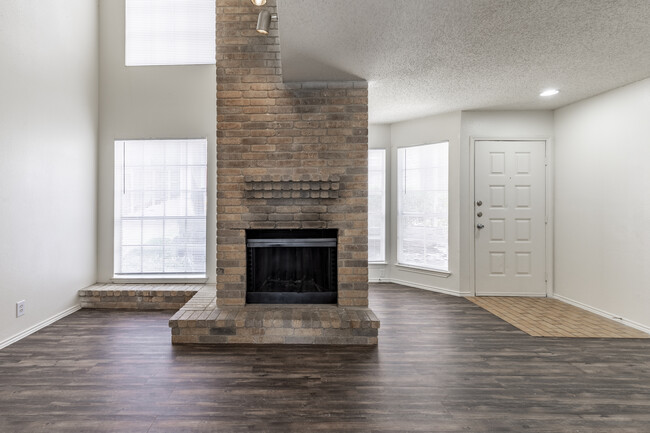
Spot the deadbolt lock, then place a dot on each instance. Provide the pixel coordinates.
(479, 203)
(480, 214)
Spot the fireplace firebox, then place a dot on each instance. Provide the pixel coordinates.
(291, 266)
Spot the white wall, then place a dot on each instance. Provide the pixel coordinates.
(149, 102)
(48, 153)
(494, 125)
(602, 208)
(599, 151)
(431, 129)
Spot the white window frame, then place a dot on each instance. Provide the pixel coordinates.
(382, 239)
(400, 194)
(120, 191)
(169, 32)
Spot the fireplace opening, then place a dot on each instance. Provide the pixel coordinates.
(291, 266)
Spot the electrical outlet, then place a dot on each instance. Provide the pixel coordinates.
(20, 308)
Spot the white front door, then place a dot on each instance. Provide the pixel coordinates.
(509, 218)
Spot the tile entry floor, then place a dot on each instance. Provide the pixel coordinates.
(545, 317)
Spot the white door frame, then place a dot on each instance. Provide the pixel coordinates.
(548, 143)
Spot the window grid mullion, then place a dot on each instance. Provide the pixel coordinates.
(174, 188)
(423, 238)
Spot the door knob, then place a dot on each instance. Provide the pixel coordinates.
(479, 226)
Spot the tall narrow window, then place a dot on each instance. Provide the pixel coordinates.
(170, 32)
(376, 205)
(423, 217)
(160, 206)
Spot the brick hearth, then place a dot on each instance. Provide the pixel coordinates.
(200, 321)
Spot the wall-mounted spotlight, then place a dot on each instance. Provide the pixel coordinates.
(258, 2)
(264, 21)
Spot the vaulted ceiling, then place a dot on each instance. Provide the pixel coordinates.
(424, 57)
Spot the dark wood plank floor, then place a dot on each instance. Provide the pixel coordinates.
(443, 365)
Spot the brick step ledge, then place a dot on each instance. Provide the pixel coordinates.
(139, 296)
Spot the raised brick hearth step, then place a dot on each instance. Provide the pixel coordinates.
(139, 296)
(200, 321)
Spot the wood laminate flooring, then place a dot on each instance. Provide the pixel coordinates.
(443, 364)
(546, 317)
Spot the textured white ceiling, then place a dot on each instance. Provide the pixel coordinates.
(425, 57)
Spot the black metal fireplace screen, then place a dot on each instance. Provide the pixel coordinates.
(291, 266)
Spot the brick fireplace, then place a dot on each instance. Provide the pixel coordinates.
(290, 156)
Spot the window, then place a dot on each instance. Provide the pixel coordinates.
(423, 219)
(160, 206)
(170, 32)
(376, 205)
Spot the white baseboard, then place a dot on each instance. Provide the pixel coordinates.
(603, 313)
(514, 294)
(39, 326)
(417, 286)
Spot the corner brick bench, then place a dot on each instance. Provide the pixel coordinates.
(139, 296)
(200, 321)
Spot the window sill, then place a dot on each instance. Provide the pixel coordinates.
(419, 270)
(160, 278)
(377, 263)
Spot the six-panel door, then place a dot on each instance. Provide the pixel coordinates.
(509, 218)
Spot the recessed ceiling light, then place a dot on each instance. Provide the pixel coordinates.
(549, 92)
(258, 2)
